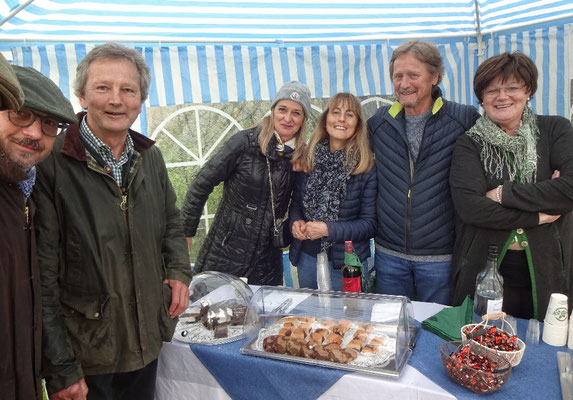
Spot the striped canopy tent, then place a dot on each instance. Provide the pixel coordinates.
(218, 51)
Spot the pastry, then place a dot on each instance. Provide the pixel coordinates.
(355, 344)
(327, 324)
(221, 331)
(307, 352)
(269, 343)
(222, 313)
(342, 326)
(370, 349)
(289, 320)
(317, 336)
(366, 327)
(285, 332)
(333, 338)
(378, 341)
(280, 344)
(299, 333)
(306, 327)
(294, 347)
(351, 354)
(332, 346)
(320, 353)
(288, 325)
(360, 334)
(308, 320)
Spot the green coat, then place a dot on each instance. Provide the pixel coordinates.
(104, 253)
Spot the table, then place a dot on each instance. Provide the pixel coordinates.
(181, 374)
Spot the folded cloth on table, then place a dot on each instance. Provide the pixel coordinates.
(447, 323)
(246, 377)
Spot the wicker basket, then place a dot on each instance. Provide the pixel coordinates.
(514, 357)
(476, 380)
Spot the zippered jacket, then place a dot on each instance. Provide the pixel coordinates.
(104, 252)
(414, 207)
(356, 217)
(20, 307)
(482, 222)
(239, 240)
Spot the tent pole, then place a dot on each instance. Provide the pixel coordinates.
(15, 11)
(479, 36)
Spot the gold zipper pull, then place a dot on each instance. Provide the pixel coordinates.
(123, 204)
(27, 212)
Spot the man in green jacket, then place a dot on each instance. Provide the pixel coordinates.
(113, 257)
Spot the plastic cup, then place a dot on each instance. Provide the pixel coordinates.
(557, 313)
(511, 321)
(555, 335)
(322, 273)
(532, 335)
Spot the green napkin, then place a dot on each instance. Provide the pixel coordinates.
(447, 323)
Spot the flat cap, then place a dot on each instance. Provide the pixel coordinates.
(41, 94)
(11, 95)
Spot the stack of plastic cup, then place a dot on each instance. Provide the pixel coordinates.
(556, 321)
(322, 273)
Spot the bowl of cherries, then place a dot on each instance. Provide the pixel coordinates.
(474, 367)
(496, 340)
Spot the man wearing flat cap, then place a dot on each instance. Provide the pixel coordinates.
(113, 256)
(33, 111)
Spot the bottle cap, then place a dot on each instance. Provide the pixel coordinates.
(348, 246)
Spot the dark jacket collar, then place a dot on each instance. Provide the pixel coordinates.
(74, 147)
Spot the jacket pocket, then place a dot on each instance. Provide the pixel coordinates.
(89, 327)
(231, 230)
(166, 323)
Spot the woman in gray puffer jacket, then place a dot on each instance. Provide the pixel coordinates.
(240, 240)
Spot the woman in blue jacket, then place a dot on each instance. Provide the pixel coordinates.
(334, 199)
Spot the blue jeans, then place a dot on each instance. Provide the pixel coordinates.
(306, 269)
(431, 280)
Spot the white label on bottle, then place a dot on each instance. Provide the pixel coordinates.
(494, 306)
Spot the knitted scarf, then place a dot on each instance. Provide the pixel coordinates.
(326, 186)
(517, 154)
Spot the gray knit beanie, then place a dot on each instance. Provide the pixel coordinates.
(295, 91)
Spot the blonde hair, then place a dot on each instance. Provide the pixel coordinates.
(358, 150)
(266, 132)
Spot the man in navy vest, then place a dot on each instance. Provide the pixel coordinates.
(413, 140)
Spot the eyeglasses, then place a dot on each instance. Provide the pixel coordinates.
(510, 91)
(25, 118)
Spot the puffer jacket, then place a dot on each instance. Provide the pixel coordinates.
(104, 252)
(356, 217)
(20, 306)
(414, 207)
(239, 240)
(482, 222)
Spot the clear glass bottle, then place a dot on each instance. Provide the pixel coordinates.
(488, 298)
